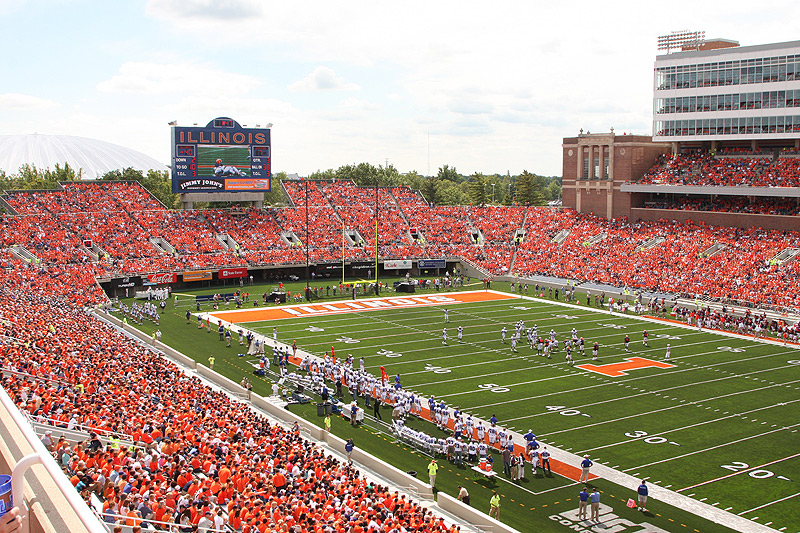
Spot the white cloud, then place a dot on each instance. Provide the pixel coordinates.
(161, 78)
(352, 109)
(211, 10)
(250, 111)
(323, 79)
(18, 101)
(469, 106)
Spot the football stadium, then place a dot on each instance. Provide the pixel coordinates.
(362, 359)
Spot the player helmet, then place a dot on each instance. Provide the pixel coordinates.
(219, 160)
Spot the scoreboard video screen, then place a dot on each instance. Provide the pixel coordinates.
(221, 157)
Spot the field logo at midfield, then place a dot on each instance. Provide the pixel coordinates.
(620, 369)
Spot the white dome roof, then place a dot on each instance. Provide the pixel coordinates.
(93, 156)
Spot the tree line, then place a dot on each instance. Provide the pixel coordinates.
(448, 187)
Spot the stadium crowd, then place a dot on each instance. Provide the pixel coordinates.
(685, 258)
(106, 228)
(195, 457)
(735, 204)
(704, 169)
(198, 457)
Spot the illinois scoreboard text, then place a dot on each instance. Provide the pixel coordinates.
(222, 156)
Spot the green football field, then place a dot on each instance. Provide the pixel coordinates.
(719, 425)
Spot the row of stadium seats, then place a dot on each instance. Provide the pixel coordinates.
(196, 450)
(704, 169)
(764, 206)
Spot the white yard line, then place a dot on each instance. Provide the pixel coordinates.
(623, 479)
(712, 421)
(768, 504)
(634, 468)
(739, 472)
(626, 381)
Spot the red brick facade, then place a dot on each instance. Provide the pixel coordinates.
(587, 188)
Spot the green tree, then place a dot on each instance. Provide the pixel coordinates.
(528, 189)
(363, 174)
(450, 193)
(30, 177)
(430, 190)
(449, 174)
(476, 189)
(553, 189)
(412, 179)
(323, 175)
(158, 182)
(276, 195)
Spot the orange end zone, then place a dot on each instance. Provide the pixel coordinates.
(358, 306)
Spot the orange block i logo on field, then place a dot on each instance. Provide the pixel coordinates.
(615, 370)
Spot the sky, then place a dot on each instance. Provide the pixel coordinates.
(483, 87)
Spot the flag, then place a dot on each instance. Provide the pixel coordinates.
(631, 503)
(384, 376)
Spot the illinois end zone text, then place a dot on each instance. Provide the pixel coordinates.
(358, 306)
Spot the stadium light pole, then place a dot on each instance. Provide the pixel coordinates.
(493, 184)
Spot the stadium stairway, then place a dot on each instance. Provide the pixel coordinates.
(161, 245)
(560, 237)
(7, 207)
(650, 243)
(473, 270)
(713, 250)
(399, 209)
(287, 195)
(226, 241)
(74, 436)
(23, 253)
(785, 256)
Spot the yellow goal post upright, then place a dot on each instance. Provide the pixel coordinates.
(344, 242)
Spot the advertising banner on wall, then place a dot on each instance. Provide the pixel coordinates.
(227, 273)
(197, 275)
(164, 277)
(127, 282)
(432, 263)
(397, 264)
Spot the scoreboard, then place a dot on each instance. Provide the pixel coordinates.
(222, 156)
